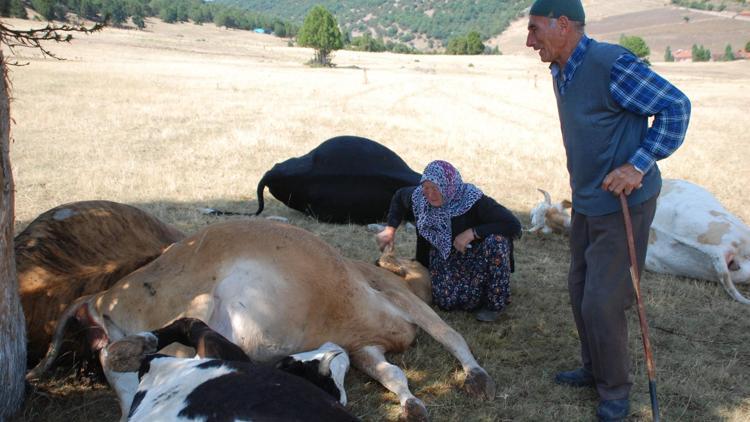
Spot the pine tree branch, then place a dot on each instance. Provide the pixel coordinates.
(33, 38)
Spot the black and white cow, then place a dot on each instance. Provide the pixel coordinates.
(223, 384)
(344, 179)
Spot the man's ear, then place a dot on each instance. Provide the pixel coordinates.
(563, 23)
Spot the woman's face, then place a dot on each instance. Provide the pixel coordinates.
(432, 194)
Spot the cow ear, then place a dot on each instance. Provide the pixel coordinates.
(325, 364)
(285, 363)
(566, 204)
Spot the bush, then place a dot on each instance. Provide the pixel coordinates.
(747, 47)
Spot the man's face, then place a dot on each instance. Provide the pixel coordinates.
(545, 36)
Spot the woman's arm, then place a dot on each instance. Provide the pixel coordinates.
(399, 209)
(494, 218)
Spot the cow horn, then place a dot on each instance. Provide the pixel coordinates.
(261, 187)
(54, 347)
(547, 198)
(535, 228)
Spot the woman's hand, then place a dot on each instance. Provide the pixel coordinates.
(386, 237)
(463, 239)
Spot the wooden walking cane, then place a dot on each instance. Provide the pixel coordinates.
(635, 277)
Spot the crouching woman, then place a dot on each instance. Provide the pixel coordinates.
(464, 237)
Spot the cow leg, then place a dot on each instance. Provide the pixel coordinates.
(477, 383)
(371, 360)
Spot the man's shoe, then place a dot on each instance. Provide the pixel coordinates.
(613, 410)
(487, 315)
(575, 378)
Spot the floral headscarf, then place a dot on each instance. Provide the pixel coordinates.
(434, 223)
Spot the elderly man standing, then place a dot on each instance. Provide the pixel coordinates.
(605, 96)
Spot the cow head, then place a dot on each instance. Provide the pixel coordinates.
(325, 367)
(549, 217)
(415, 275)
(82, 328)
(738, 261)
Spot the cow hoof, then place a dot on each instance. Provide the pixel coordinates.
(479, 384)
(414, 411)
(125, 355)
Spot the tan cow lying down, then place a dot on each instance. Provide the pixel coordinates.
(275, 290)
(78, 249)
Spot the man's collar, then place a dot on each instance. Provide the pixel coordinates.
(574, 60)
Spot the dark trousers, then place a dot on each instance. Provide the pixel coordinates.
(601, 291)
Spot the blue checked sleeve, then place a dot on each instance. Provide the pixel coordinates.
(642, 91)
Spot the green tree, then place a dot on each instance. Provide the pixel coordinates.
(5, 7)
(700, 53)
(46, 8)
(668, 57)
(115, 9)
(17, 9)
(168, 14)
(367, 43)
(747, 47)
(636, 45)
(279, 29)
(457, 45)
(321, 32)
(474, 43)
(139, 22)
(728, 53)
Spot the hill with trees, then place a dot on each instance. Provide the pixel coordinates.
(431, 23)
(120, 12)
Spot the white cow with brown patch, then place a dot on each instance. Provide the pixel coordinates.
(275, 290)
(693, 235)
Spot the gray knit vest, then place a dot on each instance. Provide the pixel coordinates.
(599, 135)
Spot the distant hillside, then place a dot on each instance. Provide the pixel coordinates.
(660, 23)
(416, 22)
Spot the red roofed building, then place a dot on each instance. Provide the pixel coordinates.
(681, 55)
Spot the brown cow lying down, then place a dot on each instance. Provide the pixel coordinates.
(275, 290)
(78, 249)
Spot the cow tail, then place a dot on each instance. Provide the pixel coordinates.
(261, 188)
(54, 347)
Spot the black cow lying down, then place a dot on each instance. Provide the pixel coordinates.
(346, 179)
(224, 385)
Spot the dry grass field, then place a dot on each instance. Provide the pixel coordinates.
(183, 116)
